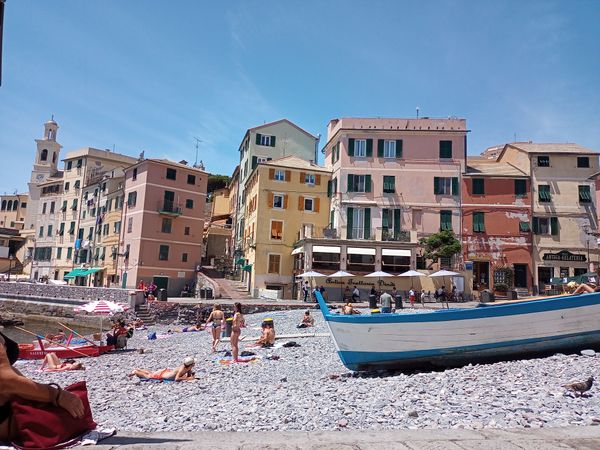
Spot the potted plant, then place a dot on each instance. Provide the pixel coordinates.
(500, 288)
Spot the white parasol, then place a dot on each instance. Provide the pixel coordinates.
(341, 274)
(444, 273)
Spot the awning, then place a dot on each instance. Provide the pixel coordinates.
(394, 252)
(360, 251)
(298, 250)
(94, 270)
(326, 249)
(76, 273)
(247, 268)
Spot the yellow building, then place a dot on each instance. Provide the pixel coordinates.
(285, 199)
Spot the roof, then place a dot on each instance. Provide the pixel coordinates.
(166, 162)
(489, 167)
(97, 153)
(293, 162)
(567, 147)
(281, 121)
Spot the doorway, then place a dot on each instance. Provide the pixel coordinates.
(481, 275)
(544, 275)
(161, 282)
(520, 275)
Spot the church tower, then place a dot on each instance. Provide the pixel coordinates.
(45, 165)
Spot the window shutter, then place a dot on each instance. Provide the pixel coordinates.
(271, 198)
(367, 183)
(258, 136)
(317, 204)
(399, 148)
(350, 147)
(302, 177)
(397, 221)
(349, 216)
(272, 141)
(369, 147)
(334, 184)
(554, 226)
(300, 203)
(536, 225)
(329, 188)
(455, 186)
(317, 180)
(367, 232)
(285, 201)
(271, 174)
(436, 185)
(288, 175)
(385, 218)
(254, 162)
(380, 148)
(350, 182)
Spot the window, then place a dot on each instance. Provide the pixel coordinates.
(446, 220)
(520, 188)
(359, 183)
(584, 194)
(389, 184)
(163, 253)
(184, 257)
(59, 253)
(309, 178)
(80, 233)
(44, 208)
(478, 186)
(360, 148)
(583, 161)
(166, 225)
(186, 231)
(276, 230)
(524, 227)
(544, 193)
(130, 225)
(67, 186)
(389, 148)
(478, 222)
(171, 174)
(279, 175)
(61, 229)
(358, 223)
(52, 204)
(545, 225)
(445, 186)
(49, 230)
(69, 165)
(131, 199)
(134, 174)
(274, 263)
(445, 149)
(77, 184)
(278, 201)
(391, 221)
(189, 203)
(44, 156)
(191, 179)
(335, 153)
(331, 187)
(308, 204)
(105, 229)
(543, 161)
(41, 233)
(69, 252)
(72, 228)
(79, 163)
(265, 140)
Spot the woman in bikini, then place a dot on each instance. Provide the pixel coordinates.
(217, 317)
(54, 364)
(236, 330)
(182, 373)
(15, 385)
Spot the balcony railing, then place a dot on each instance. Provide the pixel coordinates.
(169, 208)
(398, 236)
(317, 233)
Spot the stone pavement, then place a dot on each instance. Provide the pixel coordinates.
(513, 439)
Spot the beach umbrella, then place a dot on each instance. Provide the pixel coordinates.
(341, 274)
(412, 274)
(102, 307)
(444, 273)
(311, 274)
(379, 275)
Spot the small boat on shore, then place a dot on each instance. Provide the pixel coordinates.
(29, 351)
(456, 337)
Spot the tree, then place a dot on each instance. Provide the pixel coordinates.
(217, 182)
(440, 245)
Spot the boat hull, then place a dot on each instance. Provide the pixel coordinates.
(463, 336)
(26, 352)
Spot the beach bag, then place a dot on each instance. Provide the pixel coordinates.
(44, 426)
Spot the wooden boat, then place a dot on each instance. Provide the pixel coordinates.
(455, 337)
(29, 351)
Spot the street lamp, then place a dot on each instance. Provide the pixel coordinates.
(10, 260)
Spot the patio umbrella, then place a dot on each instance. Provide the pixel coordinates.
(444, 273)
(102, 307)
(311, 274)
(341, 274)
(412, 274)
(379, 275)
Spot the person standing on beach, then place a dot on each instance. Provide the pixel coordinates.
(217, 317)
(411, 297)
(236, 330)
(305, 291)
(386, 302)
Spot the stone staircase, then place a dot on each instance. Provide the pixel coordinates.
(229, 289)
(142, 312)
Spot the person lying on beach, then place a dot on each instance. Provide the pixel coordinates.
(182, 373)
(584, 288)
(190, 329)
(54, 364)
(58, 337)
(137, 324)
(348, 309)
(268, 334)
(307, 321)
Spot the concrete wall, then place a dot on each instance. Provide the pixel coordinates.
(79, 293)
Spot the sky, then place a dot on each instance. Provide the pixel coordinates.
(152, 75)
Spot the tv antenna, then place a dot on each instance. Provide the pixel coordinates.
(198, 140)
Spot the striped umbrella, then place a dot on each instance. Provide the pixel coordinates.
(102, 307)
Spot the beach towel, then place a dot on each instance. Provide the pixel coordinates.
(227, 360)
(154, 380)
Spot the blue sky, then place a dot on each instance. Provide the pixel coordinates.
(150, 75)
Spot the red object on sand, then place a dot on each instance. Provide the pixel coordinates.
(28, 351)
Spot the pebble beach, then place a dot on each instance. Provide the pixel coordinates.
(307, 388)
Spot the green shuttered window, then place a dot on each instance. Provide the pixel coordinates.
(524, 227)
(585, 195)
(520, 188)
(445, 149)
(349, 222)
(478, 186)
(544, 193)
(478, 222)
(389, 184)
(446, 220)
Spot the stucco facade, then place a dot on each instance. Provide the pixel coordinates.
(13, 209)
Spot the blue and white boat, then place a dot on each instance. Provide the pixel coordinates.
(455, 337)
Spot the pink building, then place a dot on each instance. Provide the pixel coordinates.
(163, 223)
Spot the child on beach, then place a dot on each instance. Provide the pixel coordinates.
(217, 317)
(268, 334)
(307, 320)
(52, 363)
(236, 330)
(182, 373)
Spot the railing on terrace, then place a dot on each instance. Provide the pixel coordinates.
(317, 233)
(169, 207)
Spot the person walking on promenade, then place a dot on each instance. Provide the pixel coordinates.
(411, 297)
(217, 317)
(355, 295)
(305, 291)
(236, 330)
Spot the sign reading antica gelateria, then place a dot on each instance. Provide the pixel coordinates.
(360, 283)
(563, 255)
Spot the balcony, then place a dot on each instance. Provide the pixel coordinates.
(397, 236)
(169, 208)
(308, 232)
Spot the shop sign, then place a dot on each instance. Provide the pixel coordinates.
(563, 256)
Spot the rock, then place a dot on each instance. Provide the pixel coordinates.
(588, 352)
(413, 414)
(343, 423)
(333, 376)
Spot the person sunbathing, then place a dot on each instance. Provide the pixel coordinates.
(307, 321)
(54, 364)
(193, 328)
(348, 309)
(58, 337)
(182, 373)
(584, 288)
(268, 334)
